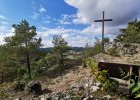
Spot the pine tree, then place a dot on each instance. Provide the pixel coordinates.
(24, 43)
(130, 34)
(60, 47)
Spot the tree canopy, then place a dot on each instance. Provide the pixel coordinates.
(23, 44)
(60, 47)
(130, 34)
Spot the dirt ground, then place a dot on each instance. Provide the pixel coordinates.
(62, 82)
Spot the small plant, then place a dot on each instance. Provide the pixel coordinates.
(23, 76)
(102, 76)
(3, 94)
(113, 51)
(134, 86)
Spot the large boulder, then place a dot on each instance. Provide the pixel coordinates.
(34, 87)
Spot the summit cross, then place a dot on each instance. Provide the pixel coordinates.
(103, 20)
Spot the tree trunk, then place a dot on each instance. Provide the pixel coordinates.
(2, 78)
(28, 64)
(61, 62)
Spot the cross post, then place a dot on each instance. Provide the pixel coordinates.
(103, 20)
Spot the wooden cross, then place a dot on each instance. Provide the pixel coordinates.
(103, 20)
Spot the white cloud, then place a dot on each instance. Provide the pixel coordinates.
(42, 9)
(5, 32)
(80, 40)
(66, 19)
(121, 11)
(46, 19)
(35, 15)
(4, 22)
(58, 31)
(64, 22)
(3, 17)
(3, 29)
(97, 29)
(72, 36)
(65, 36)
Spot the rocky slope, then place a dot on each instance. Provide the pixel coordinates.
(124, 59)
(74, 84)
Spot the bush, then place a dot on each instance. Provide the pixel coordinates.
(134, 86)
(112, 51)
(102, 76)
(22, 79)
(18, 86)
(21, 72)
(34, 87)
(3, 94)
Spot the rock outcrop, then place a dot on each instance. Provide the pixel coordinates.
(34, 87)
(77, 91)
(124, 59)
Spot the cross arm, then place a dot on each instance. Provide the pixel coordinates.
(103, 20)
(108, 20)
(98, 20)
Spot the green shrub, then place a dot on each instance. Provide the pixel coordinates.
(134, 86)
(112, 51)
(3, 94)
(22, 79)
(17, 86)
(21, 72)
(102, 76)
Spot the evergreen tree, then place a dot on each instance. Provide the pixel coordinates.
(60, 47)
(24, 43)
(130, 34)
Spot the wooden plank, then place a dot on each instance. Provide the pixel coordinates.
(114, 68)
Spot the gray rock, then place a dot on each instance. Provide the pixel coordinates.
(34, 87)
(107, 97)
(87, 98)
(97, 84)
(45, 97)
(67, 97)
(94, 88)
(18, 98)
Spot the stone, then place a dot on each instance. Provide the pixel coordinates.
(67, 97)
(90, 97)
(98, 84)
(107, 97)
(87, 98)
(18, 98)
(45, 97)
(34, 87)
(87, 85)
(94, 88)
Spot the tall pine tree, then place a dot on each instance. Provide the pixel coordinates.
(24, 43)
(60, 47)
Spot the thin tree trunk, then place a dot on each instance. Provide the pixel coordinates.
(28, 64)
(61, 60)
(2, 78)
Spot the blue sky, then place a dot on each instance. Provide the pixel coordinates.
(73, 19)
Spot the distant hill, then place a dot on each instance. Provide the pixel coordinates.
(77, 49)
(49, 49)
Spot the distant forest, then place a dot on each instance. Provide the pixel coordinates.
(49, 49)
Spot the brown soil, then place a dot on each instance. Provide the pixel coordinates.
(61, 83)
